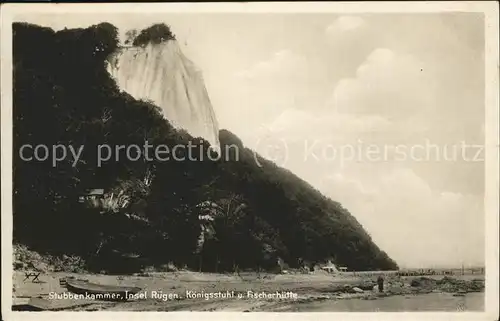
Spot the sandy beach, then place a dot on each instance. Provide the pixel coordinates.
(193, 291)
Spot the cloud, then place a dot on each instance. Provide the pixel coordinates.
(325, 124)
(265, 89)
(387, 94)
(388, 90)
(388, 83)
(282, 64)
(433, 228)
(345, 23)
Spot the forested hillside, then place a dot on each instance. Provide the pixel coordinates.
(208, 215)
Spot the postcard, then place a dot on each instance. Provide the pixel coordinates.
(195, 159)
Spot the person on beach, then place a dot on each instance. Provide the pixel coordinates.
(380, 282)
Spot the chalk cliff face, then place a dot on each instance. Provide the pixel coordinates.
(162, 74)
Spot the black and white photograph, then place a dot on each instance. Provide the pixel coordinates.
(252, 157)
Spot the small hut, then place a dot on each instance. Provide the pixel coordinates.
(91, 195)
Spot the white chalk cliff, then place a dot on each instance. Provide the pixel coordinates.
(162, 74)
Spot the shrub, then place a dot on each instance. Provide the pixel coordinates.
(155, 34)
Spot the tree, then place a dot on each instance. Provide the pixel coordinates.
(130, 36)
(155, 34)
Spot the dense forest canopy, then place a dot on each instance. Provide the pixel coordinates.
(155, 34)
(203, 214)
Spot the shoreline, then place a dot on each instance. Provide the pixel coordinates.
(172, 292)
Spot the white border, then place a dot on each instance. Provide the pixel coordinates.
(490, 10)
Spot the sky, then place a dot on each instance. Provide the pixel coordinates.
(381, 112)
